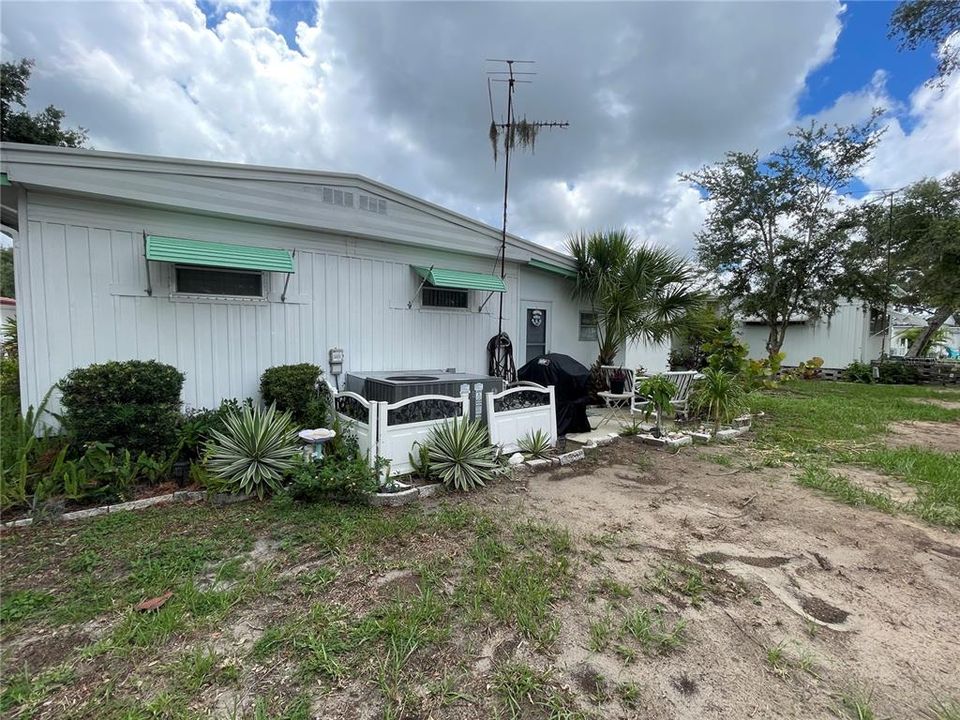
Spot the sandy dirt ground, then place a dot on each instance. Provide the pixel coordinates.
(859, 601)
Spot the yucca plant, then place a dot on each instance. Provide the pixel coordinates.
(461, 455)
(719, 395)
(253, 452)
(536, 444)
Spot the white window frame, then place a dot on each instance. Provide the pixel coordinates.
(593, 327)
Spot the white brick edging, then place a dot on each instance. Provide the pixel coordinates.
(178, 496)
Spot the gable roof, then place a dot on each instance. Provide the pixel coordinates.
(275, 195)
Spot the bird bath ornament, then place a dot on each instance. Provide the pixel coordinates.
(314, 440)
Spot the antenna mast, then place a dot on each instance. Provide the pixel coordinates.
(515, 134)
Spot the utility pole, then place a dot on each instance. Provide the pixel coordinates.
(515, 134)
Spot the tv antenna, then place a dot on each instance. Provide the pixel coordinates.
(512, 133)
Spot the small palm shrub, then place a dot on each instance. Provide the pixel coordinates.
(254, 451)
(659, 390)
(460, 454)
(719, 396)
(536, 444)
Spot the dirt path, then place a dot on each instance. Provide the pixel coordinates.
(856, 600)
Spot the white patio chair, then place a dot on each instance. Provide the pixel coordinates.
(684, 382)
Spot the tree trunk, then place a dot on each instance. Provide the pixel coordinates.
(933, 324)
(774, 341)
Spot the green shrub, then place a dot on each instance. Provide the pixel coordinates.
(460, 454)
(195, 426)
(132, 405)
(659, 390)
(763, 373)
(298, 390)
(858, 372)
(897, 373)
(341, 478)
(724, 350)
(10, 380)
(254, 451)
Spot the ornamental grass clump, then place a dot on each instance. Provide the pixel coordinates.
(460, 454)
(719, 396)
(254, 451)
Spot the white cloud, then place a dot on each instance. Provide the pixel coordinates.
(397, 91)
(931, 148)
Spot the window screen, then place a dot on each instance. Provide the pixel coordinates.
(432, 296)
(588, 326)
(210, 281)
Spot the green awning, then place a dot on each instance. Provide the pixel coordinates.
(438, 277)
(4, 180)
(550, 267)
(214, 254)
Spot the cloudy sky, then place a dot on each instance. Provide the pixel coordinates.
(397, 91)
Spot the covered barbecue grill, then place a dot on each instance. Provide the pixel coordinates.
(571, 383)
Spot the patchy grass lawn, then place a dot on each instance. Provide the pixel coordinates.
(823, 425)
(272, 597)
(638, 584)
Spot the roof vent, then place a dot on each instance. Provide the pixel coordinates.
(373, 204)
(336, 196)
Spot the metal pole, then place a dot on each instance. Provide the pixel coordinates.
(506, 187)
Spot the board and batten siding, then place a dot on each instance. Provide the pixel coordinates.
(839, 339)
(82, 281)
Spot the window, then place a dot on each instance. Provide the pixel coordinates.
(588, 326)
(214, 281)
(432, 296)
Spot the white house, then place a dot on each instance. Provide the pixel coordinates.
(853, 332)
(224, 270)
(901, 321)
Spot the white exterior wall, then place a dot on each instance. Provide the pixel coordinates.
(839, 339)
(81, 282)
(653, 357)
(552, 292)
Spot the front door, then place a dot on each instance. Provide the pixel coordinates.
(535, 337)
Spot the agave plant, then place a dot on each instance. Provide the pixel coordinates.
(536, 444)
(719, 396)
(253, 452)
(460, 454)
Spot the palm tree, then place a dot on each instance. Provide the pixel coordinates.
(637, 292)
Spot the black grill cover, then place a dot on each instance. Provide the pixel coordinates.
(571, 383)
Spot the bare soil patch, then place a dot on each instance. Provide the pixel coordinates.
(947, 404)
(875, 482)
(942, 437)
(867, 595)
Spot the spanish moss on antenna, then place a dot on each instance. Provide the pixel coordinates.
(510, 134)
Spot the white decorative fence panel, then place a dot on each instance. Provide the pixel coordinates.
(359, 416)
(519, 411)
(409, 421)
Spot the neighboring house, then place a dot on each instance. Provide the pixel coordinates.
(901, 321)
(225, 270)
(853, 332)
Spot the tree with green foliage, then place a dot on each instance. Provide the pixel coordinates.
(916, 22)
(777, 226)
(17, 124)
(908, 254)
(637, 292)
(7, 287)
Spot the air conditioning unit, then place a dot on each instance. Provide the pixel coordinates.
(394, 385)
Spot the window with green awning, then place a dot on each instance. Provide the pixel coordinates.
(217, 255)
(460, 280)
